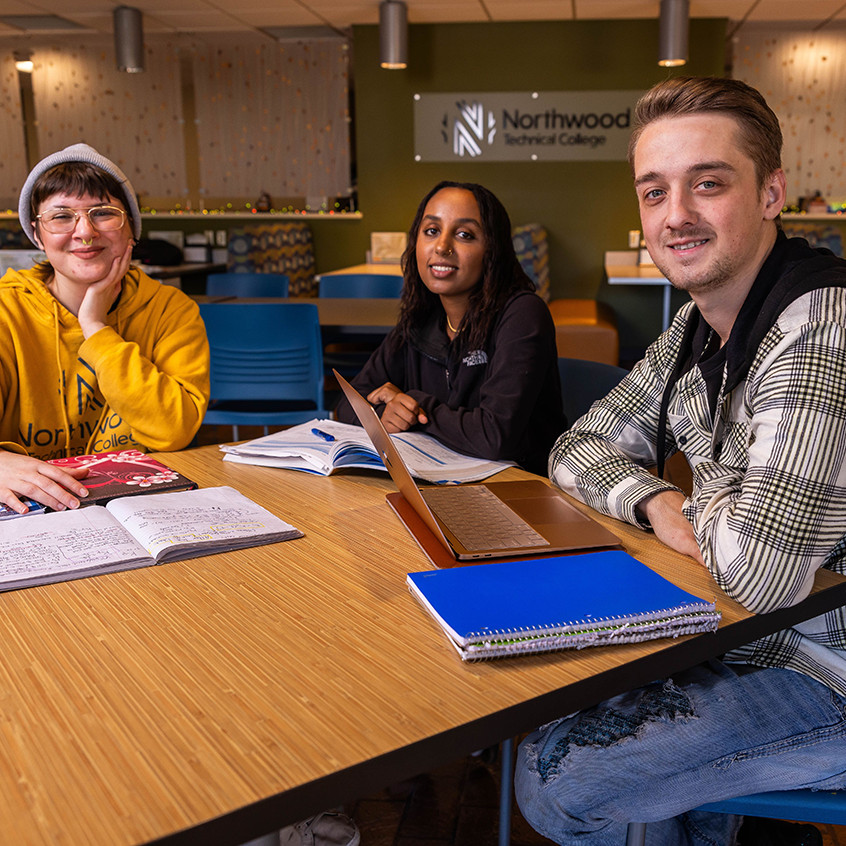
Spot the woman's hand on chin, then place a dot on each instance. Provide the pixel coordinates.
(53, 486)
(100, 296)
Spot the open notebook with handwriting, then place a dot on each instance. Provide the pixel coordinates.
(131, 532)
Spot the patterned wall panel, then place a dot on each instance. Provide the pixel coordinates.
(13, 169)
(803, 77)
(134, 119)
(273, 117)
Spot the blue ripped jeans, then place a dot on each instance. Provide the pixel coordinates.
(712, 732)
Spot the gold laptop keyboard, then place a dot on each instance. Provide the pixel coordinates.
(479, 519)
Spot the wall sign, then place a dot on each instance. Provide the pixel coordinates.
(523, 126)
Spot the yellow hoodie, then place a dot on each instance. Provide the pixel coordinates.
(142, 382)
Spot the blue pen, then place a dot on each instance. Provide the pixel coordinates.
(325, 435)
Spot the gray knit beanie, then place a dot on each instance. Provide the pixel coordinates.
(77, 153)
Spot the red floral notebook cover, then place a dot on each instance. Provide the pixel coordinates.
(124, 473)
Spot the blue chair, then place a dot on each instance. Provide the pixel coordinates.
(582, 383)
(247, 285)
(342, 353)
(822, 806)
(361, 285)
(266, 364)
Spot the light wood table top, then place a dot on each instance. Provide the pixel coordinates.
(382, 268)
(210, 701)
(622, 268)
(161, 271)
(355, 314)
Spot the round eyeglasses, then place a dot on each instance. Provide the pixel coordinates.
(61, 221)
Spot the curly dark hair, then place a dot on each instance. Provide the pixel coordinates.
(502, 275)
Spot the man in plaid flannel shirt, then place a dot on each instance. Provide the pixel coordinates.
(749, 382)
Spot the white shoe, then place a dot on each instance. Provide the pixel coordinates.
(326, 829)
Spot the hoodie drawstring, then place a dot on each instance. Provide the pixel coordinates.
(120, 317)
(62, 385)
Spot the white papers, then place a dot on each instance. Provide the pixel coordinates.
(299, 448)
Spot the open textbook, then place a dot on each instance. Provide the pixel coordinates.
(133, 532)
(326, 446)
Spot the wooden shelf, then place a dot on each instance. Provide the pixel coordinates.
(830, 216)
(211, 214)
(245, 215)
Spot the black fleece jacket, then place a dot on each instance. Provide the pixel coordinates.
(503, 402)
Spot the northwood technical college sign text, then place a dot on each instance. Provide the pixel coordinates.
(523, 126)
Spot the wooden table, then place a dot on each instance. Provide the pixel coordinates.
(381, 268)
(195, 272)
(210, 701)
(621, 268)
(344, 316)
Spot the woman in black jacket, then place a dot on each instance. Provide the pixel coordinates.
(472, 360)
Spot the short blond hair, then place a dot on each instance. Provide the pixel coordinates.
(760, 133)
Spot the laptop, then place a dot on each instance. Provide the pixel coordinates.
(470, 522)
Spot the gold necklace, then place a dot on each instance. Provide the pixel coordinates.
(451, 327)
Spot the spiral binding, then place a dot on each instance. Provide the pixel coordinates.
(696, 619)
(593, 623)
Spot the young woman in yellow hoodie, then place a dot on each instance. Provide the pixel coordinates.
(94, 354)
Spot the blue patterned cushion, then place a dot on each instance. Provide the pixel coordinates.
(275, 248)
(530, 244)
(816, 234)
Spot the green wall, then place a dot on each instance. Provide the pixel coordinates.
(586, 207)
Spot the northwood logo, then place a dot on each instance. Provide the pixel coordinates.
(470, 131)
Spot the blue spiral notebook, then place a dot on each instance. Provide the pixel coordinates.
(567, 602)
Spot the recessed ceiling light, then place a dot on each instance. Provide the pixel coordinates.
(34, 22)
(303, 33)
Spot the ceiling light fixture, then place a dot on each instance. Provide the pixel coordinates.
(129, 39)
(393, 34)
(675, 23)
(23, 61)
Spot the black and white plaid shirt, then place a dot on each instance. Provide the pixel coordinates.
(769, 470)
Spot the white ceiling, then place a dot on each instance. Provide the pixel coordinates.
(168, 16)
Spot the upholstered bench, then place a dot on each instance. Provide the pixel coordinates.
(585, 329)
